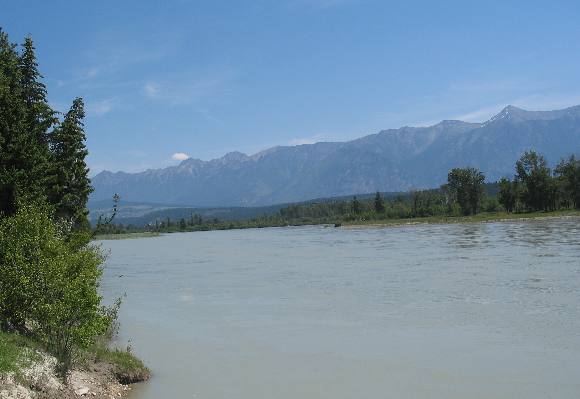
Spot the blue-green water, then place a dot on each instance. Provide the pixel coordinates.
(430, 311)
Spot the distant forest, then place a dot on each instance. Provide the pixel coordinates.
(535, 187)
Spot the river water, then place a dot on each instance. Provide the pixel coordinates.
(428, 311)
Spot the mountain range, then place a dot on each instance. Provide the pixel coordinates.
(391, 160)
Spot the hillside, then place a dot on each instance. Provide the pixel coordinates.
(391, 160)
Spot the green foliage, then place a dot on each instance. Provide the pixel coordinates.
(568, 178)
(508, 194)
(39, 156)
(355, 206)
(48, 284)
(49, 273)
(379, 203)
(538, 190)
(70, 185)
(466, 186)
(126, 366)
(25, 123)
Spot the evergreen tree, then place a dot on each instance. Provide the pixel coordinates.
(12, 130)
(25, 119)
(40, 118)
(379, 203)
(70, 184)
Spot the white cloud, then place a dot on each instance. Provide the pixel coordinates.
(91, 72)
(533, 102)
(151, 89)
(188, 88)
(100, 108)
(179, 156)
(302, 141)
(308, 140)
(480, 115)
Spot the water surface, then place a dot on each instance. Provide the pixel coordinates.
(431, 311)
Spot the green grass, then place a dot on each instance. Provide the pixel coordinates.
(479, 218)
(126, 236)
(16, 352)
(10, 354)
(126, 367)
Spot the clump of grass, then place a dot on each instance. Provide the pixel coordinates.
(16, 353)
(10, 354)
(126, 366)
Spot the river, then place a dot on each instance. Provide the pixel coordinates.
(483, 310)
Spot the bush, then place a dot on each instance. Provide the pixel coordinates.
(48, 284)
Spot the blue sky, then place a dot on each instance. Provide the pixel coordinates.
(207, 77)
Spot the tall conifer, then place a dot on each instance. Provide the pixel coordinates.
(70, 184)
(12, 143)
(39, 119)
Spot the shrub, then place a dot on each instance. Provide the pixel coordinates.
(48, 283)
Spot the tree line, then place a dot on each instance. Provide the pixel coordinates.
(49, 271)
(535, 187)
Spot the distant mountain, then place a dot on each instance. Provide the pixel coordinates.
(391, 160)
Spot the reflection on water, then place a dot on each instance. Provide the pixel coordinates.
(434, 311)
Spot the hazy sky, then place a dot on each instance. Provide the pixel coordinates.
(204, 78)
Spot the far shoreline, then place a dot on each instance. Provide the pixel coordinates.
(448, 220)
(376, 223)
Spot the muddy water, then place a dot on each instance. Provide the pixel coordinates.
(433, 311)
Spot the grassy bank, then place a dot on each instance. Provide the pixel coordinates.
(479, 218)
(127, 236)
(100, 371)
(126, 367)
(352, 222)
(16, 353)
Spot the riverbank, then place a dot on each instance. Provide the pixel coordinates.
(479, 218)
(127, 236)
(483, 217)
(28, 372)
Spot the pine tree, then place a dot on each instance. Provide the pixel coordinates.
(26, 119)
(11, 128)
(40, 117)
(70, 184)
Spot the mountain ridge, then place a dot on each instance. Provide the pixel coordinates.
(389, 160)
